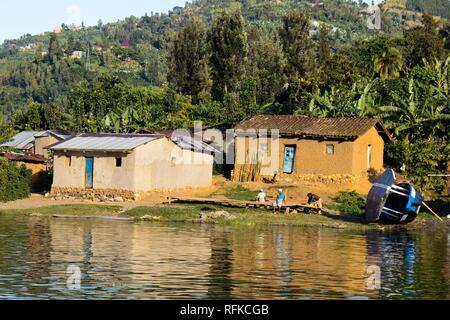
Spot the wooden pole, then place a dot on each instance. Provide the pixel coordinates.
(431, 210)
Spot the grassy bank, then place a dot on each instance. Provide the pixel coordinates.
(72, 209)
(245, 217)
(235, 216)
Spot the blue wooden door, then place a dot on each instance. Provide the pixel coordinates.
(289, 159)
(89, 173)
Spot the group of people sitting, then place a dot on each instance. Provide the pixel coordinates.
(280, 199)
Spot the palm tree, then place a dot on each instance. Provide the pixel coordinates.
(388, 64)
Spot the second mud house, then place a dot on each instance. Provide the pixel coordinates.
(125, 164)
(308, 146)
(44, 139)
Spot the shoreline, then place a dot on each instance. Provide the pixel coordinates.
(213, 214)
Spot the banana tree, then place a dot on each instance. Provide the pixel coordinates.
(415, 117)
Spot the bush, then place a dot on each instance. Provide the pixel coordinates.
(419, 159)
(349, 202)
(14, 182)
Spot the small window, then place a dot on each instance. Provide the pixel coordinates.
(118, 162)
(68, 161)
(330, 149)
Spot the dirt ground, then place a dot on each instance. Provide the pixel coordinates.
(295, 191)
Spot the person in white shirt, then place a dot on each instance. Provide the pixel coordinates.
(261, 196)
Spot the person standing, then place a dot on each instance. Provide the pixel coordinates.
(279, 201)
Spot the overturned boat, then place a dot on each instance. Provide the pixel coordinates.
(388, 202)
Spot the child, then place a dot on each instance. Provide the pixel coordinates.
(261, 196)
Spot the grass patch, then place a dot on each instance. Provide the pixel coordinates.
(242, 217)
(73, 209)
(349, 202)
(237, 193)
(166, 213)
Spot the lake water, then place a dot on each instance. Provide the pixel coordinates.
(126, 260)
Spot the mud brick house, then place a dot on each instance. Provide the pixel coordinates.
(35, 163)
(45, 138)
(126, 164)
(310, 145)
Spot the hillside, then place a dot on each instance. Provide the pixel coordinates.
(135, 48)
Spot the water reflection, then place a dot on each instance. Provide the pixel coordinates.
(157, 261)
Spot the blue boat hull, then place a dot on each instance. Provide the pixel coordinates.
(388, 202)
(406, 212)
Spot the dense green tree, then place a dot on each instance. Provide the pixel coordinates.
(423, 42)
(294, 35)
(55, 52)
(154, 65)
(323, 47)
(267, 65)
(229, 49)
(188, 59)
(6, 132)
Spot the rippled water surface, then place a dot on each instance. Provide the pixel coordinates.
(124, 260)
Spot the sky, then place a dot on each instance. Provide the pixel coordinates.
(19, 17)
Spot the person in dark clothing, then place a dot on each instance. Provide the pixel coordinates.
(314, 201)
(313, 198)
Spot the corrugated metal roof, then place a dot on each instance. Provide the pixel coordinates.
(312, 126)
(61, 134)
(23, 140)
(104, 142)
(188, 143)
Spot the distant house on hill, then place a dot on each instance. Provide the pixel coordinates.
(77, 54)
(125, 164)
(308, 145)
(57, 29)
